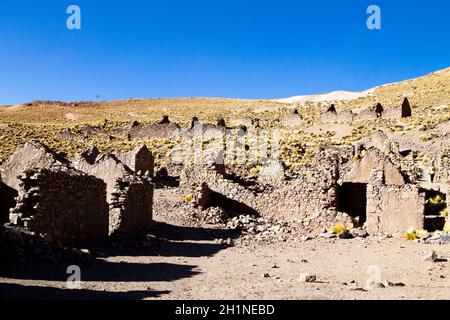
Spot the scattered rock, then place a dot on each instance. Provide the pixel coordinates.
(329, 235)
(388, 283)
(307, 277)
(429, 255)
(304, 238)
(359, 233)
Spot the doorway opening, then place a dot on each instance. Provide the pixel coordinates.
(436, 210)
(352, 199)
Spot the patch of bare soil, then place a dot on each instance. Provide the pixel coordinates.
(206, 262)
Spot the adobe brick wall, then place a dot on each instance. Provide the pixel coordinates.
(62, 205)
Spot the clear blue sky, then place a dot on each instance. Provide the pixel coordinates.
(226, 48)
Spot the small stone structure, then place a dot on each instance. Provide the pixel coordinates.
(139, 159)
(131, 206)
(32, 154)
(372, 113)
(330, 115)
(130, 197)
(61, 204)
(398, 112)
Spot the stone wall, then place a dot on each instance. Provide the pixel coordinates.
(106, 167)
(32, 155)
(131, 206)
(443, 168)
(310, 199)
(392, 208)
(374, 159)
(63, 205)
(139, 159)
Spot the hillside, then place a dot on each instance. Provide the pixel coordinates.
(102, 123)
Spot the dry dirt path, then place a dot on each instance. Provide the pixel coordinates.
(198, 267)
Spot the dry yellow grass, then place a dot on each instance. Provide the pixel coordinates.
(429, 97)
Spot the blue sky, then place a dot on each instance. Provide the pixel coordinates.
(226, 48)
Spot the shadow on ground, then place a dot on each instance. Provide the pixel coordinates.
(20, 292)
(169, 241)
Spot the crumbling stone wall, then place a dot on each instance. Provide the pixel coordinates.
(33, 154)
(139, 159)
(373, 159)
(63, 205)
(393, 208)
(131, 207)
(443, 168)
(201, 181)
(311, 199)
(106, 167)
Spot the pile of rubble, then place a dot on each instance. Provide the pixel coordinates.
(17, 245)
(437, 237)
(261, 229)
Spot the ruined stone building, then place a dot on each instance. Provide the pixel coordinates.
(124, 188)
(370, 190)
(79, 201)
(32, 155)
(402, 111)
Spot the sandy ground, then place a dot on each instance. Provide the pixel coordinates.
(192, 263)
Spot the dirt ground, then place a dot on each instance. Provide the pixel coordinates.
(195, 263)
